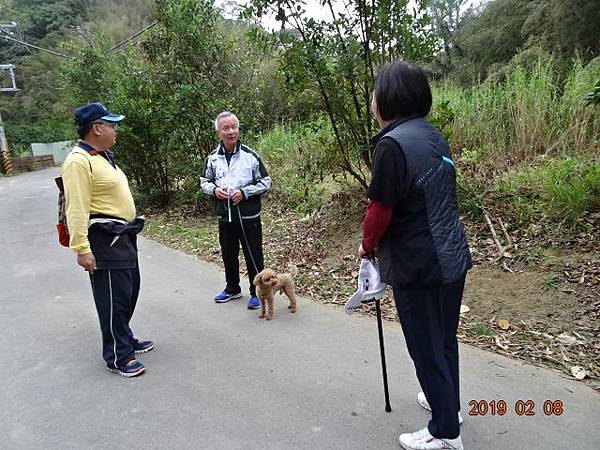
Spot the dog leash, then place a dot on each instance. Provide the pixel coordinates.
(246, 239)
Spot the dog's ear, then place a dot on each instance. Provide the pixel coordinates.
(256, 281)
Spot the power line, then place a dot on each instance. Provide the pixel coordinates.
(52, 52)
(134, 36)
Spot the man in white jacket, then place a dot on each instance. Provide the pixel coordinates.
(236, 177)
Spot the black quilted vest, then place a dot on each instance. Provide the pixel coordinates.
(425, 244)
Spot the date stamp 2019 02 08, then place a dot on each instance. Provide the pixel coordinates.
(519, 407)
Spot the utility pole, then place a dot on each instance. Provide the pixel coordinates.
(6, 162)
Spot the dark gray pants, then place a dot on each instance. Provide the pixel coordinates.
(115, 294)
(429, 319)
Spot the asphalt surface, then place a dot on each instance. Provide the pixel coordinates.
(220, 378)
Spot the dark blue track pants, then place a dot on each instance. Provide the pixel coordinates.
(429, 319)
(115, 294)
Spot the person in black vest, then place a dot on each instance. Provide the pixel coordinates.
(412, 224)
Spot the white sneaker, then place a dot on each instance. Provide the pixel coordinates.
(418, 435)
(422, 401)
(423, 440)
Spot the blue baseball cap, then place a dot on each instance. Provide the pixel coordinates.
(84, 115)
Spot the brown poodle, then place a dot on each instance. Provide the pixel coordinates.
(267, 283)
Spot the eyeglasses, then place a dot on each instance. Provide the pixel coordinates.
(108, 124)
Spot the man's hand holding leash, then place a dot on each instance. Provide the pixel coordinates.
(221, 194)
(237, 197)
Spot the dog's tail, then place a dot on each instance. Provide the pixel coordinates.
(293, 270)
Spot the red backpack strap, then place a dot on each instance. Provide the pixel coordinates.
(61, 226)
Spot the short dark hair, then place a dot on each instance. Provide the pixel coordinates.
(84, 130)
(402, 89)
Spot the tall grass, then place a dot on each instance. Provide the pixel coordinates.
(527, 130)
(530, 112)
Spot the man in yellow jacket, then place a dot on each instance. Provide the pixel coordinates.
(103, 231)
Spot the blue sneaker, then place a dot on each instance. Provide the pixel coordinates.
(143, 346)
(225, 296)
(132, 369)
(254, 302)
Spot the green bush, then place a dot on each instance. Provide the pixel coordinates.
(571, 188)
(525, 210)
(562, 189)
(19, 149)
(296, 160)
(470, 205)
(441, 117)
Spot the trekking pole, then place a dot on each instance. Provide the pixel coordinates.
(386, 392)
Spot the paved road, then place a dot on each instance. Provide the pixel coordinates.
(219, 378)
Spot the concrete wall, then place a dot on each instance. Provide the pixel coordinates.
(59, 150)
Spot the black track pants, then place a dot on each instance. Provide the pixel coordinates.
(230, 238)
(115, 294)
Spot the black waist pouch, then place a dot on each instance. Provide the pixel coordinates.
(114, 244)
